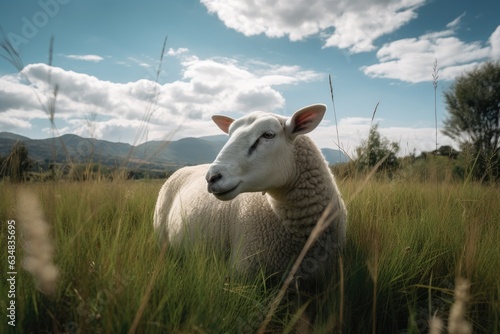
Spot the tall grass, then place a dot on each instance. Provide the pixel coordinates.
(406, 244)
(418, 234)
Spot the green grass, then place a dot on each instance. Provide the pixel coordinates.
(407, 241)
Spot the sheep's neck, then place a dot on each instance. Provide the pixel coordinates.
(302, 202)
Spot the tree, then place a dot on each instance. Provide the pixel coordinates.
(473, 104)
(17, 163)
(376, 148)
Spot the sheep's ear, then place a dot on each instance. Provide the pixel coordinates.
(223, 122)
(304, 120)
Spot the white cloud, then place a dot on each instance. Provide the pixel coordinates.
(495, 43)
(88, 106)
(411, 59)
(11, 120)
(91, 58)
(16, 96)
(148, 63)
(456, 22)
(220, 85)
(352, 25)
(177, 52)
(357, 30)
(118, 111)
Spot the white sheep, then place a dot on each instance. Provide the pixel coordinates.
(260, 198)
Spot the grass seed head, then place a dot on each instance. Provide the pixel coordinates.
(37, 243)
(457, 324)
(436, 325)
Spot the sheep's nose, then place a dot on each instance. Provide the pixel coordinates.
(215, 178)
(211, 179)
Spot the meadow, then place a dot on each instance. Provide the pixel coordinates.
(92, 263)
(408, 241)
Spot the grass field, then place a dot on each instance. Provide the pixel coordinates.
(407, 243)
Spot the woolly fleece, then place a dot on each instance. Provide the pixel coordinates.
(257, 231)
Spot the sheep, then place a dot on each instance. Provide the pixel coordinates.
(260, 198)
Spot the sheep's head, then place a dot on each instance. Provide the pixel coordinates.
(259, 155)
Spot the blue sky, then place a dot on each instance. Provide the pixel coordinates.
(232, 57)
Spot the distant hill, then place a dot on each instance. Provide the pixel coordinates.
(8, 135)
(150, 155)
(216, 138)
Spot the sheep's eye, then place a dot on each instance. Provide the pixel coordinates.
(268, 135)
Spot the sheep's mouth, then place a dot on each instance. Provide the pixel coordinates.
(224, 194)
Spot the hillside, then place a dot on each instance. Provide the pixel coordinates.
(149, 155)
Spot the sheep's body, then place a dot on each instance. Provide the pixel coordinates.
(259, 231)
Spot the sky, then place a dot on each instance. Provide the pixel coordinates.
(229, 57)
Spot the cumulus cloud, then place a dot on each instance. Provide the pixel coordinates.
(411, 59)
(16, 96)
(219, 85)
(347, 24)
(495, 43)
(87, 105)
(90, 107)
(91, 58)
(12, 120)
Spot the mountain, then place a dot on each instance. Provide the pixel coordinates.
(216, 138)
(149, 155)
(8, 135)
(78, 149)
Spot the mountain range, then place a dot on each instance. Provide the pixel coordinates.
(149, 155)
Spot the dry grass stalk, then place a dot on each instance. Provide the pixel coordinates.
(334, 114)
(37, 243)
(435, 77)
(374, 113)
(373, 270)
(436, 325)
(457, 324)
